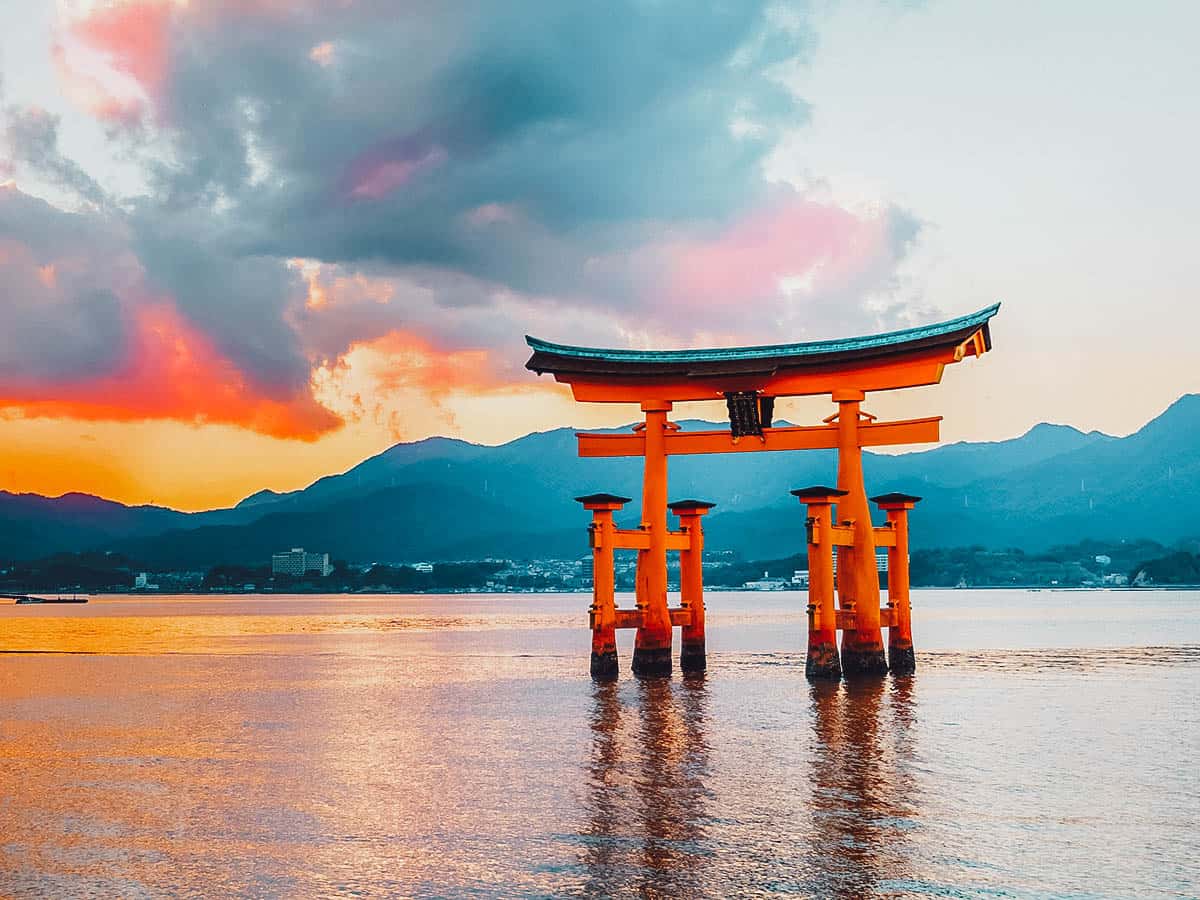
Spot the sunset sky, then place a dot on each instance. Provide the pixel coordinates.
(245, 243)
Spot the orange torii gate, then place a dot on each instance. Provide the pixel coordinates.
(749, 379)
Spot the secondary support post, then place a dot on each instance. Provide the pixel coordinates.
(901, 657)
(604, 607)
(822, 660)
(857, 576)
(652, 646)
(693, 654)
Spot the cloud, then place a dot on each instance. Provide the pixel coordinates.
(402, 382)
(88, 335)
(30, 137)
(347, 185)
(587, 118)
(113, 57)
(64, 282)
(239, 301)
(169, 372)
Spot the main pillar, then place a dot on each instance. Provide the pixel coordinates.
(902, 659)
(652, 646)
(693, 656)
(857, 575)
(604, 608)
(822, 660)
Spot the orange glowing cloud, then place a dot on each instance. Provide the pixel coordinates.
(322, 54)
(402, 360)
(172, 372)
(406, 383)
(328, 284)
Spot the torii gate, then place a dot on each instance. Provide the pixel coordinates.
(749, 379)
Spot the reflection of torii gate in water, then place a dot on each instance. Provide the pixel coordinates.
(749, 379)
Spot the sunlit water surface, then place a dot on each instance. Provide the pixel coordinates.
(1049, 746)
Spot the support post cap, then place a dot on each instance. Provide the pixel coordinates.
(602, 501)
(895, 500)
(818, 493)
(699, 507)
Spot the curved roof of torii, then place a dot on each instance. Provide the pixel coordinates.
(780, 368)
(548, 357)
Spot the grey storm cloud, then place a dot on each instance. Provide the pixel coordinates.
(30, 136)
(240, 301)
(62, 277)
(587, 119)
(506, 166)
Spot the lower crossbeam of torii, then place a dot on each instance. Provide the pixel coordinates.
(750, 379)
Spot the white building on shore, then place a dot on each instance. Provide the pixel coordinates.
(766, 583)
(297, 563)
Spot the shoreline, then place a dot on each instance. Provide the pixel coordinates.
(673, 589)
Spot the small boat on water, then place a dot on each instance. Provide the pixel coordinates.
(30, 598)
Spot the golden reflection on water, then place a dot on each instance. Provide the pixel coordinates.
(653, 828)
(336, 748)
(864, 798)
(648, 799)
(224, 634)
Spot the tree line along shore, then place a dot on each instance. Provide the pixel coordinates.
(1091, 563)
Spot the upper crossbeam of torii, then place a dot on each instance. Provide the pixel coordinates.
(749, 379)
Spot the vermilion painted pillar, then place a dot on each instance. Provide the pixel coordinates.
(652, 646)
(603, 611)
(693, 654)
(822, 660)
(858, 575)
(902, 659)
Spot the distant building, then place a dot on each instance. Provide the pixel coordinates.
(800, 578)
(297, 563)
(141, 582)
(766, 583)
(881, 559)
(425, 567)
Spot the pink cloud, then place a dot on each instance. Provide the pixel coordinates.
(115, 58)
(384, 169)
(819, 244)
(491, 213)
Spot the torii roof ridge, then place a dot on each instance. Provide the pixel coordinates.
(549, 357)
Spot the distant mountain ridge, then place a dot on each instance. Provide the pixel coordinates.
(443, 499)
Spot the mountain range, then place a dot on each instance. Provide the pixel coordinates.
(447, 499)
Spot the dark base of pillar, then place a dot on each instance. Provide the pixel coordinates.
(902, 660)
(651, 662)
(605, 666)
(863, 661)
(823, 662)
(692, 657)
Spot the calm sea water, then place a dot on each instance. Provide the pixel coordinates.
(1049, 746)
